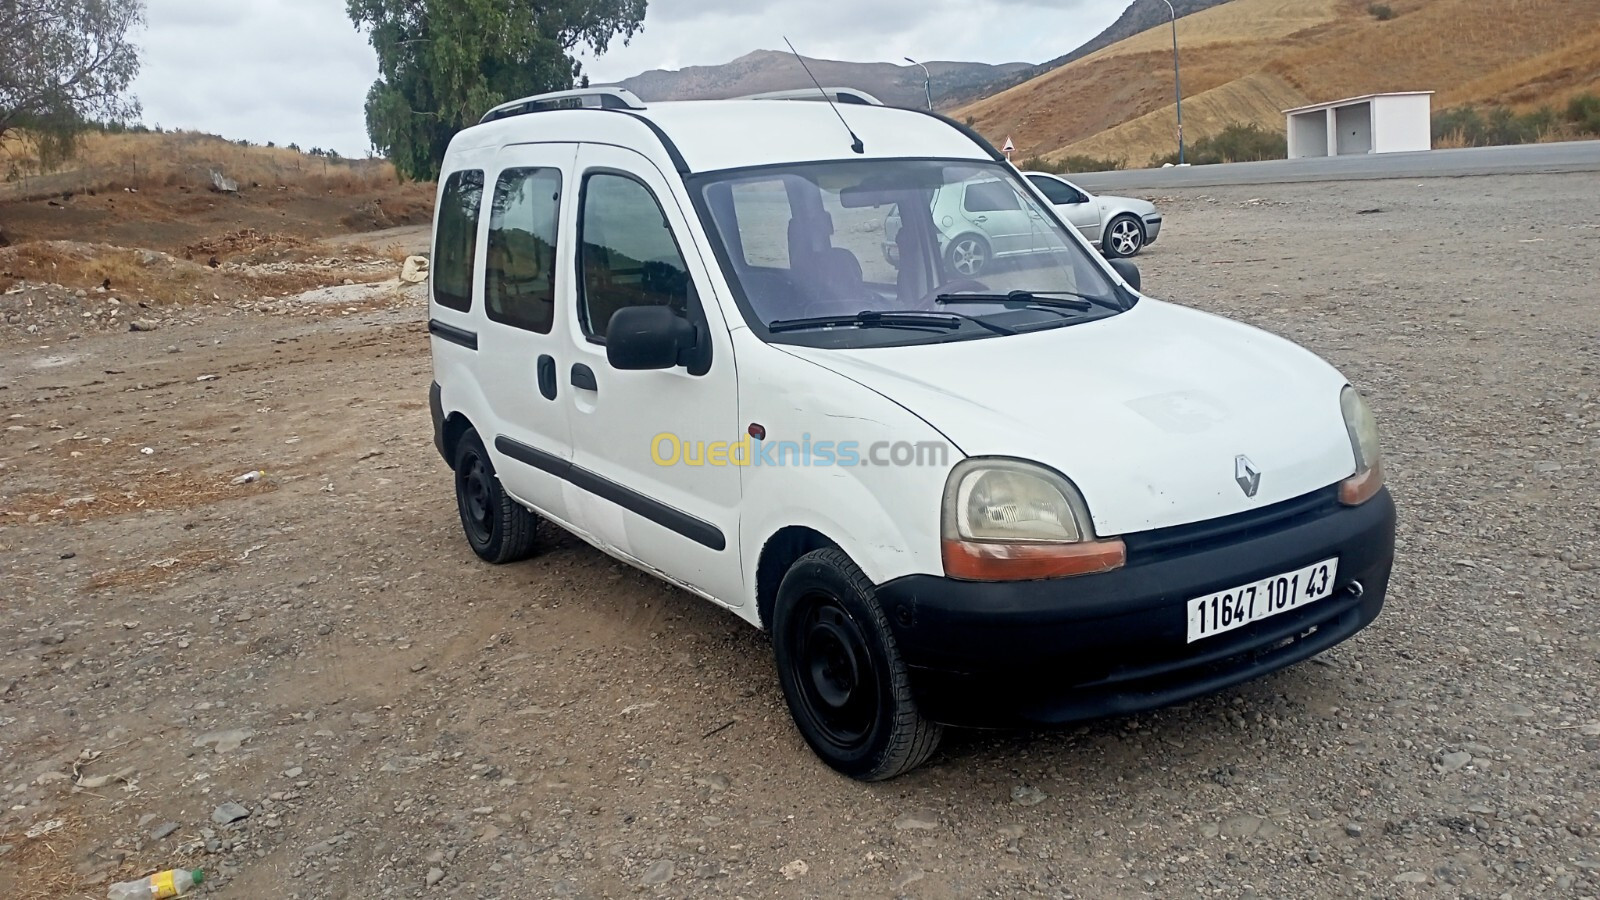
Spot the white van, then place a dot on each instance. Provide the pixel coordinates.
(1030, 496)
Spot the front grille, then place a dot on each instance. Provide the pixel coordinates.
(1181, 540)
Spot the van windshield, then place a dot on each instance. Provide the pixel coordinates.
(877, 252)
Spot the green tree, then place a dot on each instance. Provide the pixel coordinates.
(443, 63)
(63, 64)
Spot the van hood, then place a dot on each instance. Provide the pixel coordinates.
(1147, 412)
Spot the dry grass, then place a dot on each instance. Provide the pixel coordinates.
(1254, 98)
(153, 573)
(1242, 58)
(181, 159)
(172, 490)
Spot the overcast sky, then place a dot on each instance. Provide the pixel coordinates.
(297, 70)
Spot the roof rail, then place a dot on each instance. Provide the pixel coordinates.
(836, 94)
(582, 98)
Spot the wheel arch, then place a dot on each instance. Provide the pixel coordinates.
(456, 425)
(778, 555)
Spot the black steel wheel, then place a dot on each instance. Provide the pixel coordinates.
(842, 677)
(499, 529)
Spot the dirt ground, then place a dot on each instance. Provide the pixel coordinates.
(397, 719)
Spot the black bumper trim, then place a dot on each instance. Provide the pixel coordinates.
(443, 331)
(1061, 650)
(436, 410)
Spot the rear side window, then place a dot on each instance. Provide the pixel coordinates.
(455, 242)
(520, 259)
(627, 253)
(990, 196)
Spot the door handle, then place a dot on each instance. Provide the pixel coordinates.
(583, 377)
(547, 376)
(980, 218)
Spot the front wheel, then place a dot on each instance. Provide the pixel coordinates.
(499, 529)
(842, 676)
(1124, 237)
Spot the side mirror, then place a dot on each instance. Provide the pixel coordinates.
(1124, 267)
(649, 337)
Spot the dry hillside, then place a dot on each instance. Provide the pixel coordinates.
(1246, 60)
(154, 190)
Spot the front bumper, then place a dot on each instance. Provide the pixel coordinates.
(1061, 650)
(1152, 229)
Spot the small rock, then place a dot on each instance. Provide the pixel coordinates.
(1027, 795)
(50, 640)
(228, 813)
(435, 875)
(715, 781)
(1452, 762)
(911, 877)
(1411, 878)
(918, 820)
(1519, 711)
(364, 718)
(68, 555)
(794, 868)
(1353, 829)
(1242, 826)
(141, 325)
(225, 741)
(660, 872)
(163, 830)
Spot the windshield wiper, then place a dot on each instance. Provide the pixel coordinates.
(1065, 299)
(871, 318)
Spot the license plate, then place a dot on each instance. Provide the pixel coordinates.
(1224, 611)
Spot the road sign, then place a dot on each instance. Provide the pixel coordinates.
(1009, 148)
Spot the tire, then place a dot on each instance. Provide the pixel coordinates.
(1123, 237)
(498, 528)
(967, 255)
(842, 676)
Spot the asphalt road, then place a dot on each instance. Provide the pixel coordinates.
(1574, 156)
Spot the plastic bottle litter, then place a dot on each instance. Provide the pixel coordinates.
(160, 886)
(250, 477)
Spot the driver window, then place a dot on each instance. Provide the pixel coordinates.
(1056, 192)
(627, 253)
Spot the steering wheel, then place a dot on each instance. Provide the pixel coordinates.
(928, 300)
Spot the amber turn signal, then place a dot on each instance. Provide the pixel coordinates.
(975, 561)
(1358, 489)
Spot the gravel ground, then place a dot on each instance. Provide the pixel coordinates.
(309, 686)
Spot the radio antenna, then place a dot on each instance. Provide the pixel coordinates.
(855, 142)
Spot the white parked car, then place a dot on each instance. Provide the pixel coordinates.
(1031, 496)
(1122, 226)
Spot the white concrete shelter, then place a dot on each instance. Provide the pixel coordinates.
(1372, 123)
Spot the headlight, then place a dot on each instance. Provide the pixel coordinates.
(1005, 520)
(1363, 430)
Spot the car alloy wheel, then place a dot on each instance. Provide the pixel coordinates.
(968, 254)
(1126, 236)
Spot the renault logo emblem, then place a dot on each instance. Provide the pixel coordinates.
(1246, 473)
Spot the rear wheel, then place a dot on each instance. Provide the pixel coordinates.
(842, 676)
(499, 529)
(967, 255)
(1124, 237)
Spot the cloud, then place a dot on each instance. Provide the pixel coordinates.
(680, 33)
(298, 70)
(264, 70)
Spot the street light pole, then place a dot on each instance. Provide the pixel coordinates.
(927, 80)
(1177, 77)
